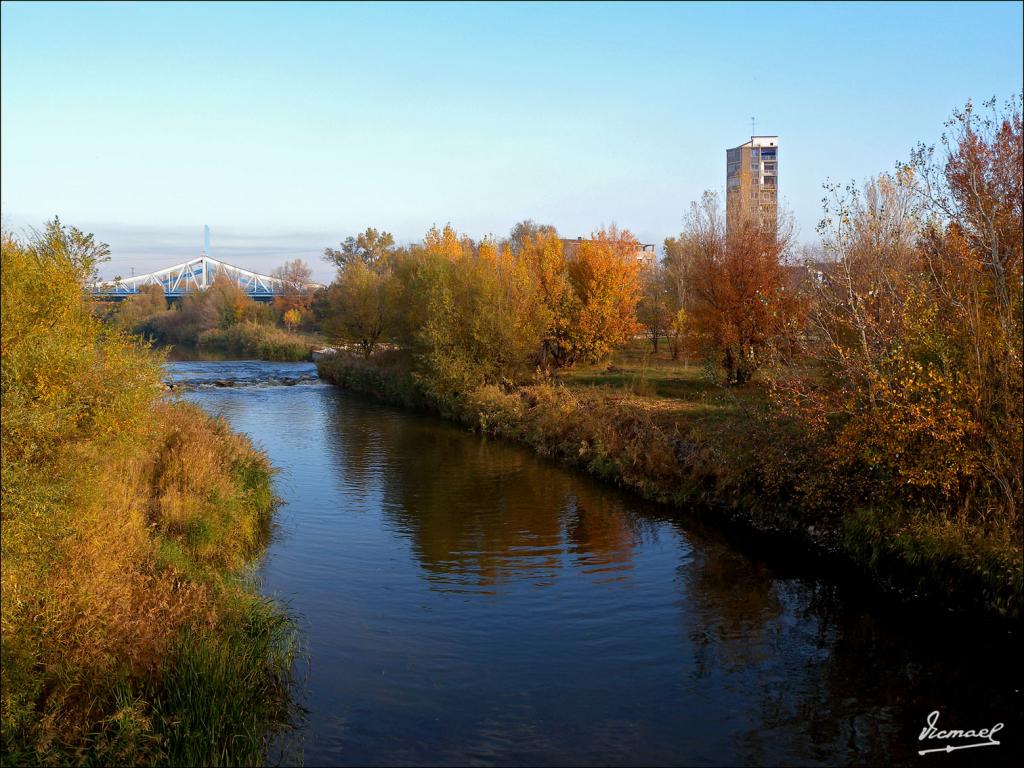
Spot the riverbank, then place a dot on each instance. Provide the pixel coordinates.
(722, 452)
(153, 645)
(132, 630)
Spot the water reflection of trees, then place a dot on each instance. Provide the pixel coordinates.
(814, 677)
(808, 675)
(480, 512)
(356, 432)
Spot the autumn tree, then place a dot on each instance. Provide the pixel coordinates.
(447, 243)
(482, 322)
(605, 278)
(295, 293)
(525, 232)
(291, 319)
(81, 249)
(369, 247)
(362, 304)
(224, 303)
(221, 305)
(543, 255)
(740, 298)
(590, 299)
(919, 317)
(492, 312)
(675, 286)
(974, 186)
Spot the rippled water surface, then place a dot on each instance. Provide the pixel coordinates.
(464, 602)
(203, 374)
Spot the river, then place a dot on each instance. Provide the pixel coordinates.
(463, 601)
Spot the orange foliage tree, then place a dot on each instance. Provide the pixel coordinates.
(740, 298)
(492, 312)
(605, 278)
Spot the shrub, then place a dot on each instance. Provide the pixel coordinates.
(258, 341)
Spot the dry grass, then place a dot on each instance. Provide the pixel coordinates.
(107, 614)
(681, 397)
(206, 482)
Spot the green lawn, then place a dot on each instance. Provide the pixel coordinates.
(677, 392)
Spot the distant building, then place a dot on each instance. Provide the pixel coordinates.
(752, 182)
(646, 253)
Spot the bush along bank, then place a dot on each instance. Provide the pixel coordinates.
(753, 471)
(132, 632)
(261, 342)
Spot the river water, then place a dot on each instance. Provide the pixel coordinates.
(465, 602)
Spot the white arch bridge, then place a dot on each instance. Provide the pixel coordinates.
(191, 276)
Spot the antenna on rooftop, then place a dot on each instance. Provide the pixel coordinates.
(753, 130)
(206, 239)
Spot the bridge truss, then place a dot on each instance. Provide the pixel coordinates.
(189, 277)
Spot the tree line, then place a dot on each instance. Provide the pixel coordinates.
(493, 311)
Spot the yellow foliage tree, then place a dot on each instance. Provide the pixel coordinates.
(363, 304)
(605, 278)
(446, 243)
(543, 254)
(292, 318)
(483, 321)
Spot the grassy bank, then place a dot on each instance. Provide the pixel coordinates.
(667, 432)
(131, 630)
(262, 342)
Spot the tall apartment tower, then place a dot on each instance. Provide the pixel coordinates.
(752, 182)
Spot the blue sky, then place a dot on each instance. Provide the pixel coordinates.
(287, 127)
